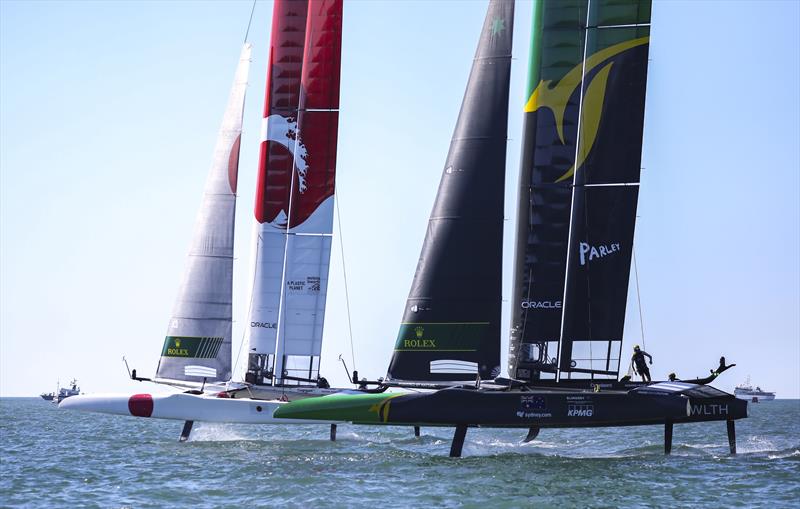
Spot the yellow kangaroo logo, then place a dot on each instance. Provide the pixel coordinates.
(556, 97)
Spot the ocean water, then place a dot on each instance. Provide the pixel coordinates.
(58, 458)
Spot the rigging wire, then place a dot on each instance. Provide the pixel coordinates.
(638, 296)
(252, 10)
(344, 275)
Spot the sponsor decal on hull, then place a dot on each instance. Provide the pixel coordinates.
(533, 407)
(580, 410)
(710, 409)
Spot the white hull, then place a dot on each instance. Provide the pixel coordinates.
(182, 407)
(750, 396)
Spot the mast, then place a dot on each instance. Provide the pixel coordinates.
(579, 187)
(197, 346)
(295, 193)
(451, 323)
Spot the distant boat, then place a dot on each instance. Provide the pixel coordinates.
(747, 392)
(66, 392)
(48, 396)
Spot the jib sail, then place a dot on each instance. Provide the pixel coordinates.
(579, 185)
(198, 342)
(451, 323)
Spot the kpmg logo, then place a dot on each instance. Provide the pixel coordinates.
(589, 252)
(580, 410)
(541, 304)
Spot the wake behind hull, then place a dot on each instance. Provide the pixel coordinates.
(182, 407)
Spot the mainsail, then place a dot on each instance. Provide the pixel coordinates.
(578, 186)
(451, 323)
(198, 342)
(295, 191)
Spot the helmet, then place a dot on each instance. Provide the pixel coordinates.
(635, 347)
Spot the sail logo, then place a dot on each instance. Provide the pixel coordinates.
(541, 304)
(582, 410)
(556, 97)
(588, 252)
(419, 343)
(312, 284)
(285, 131)
(176, 350)
(185, 346)
(264, 325)
(710, 409)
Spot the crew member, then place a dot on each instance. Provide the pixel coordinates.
(640, 366)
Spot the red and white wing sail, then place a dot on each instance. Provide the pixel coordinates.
(295, 193)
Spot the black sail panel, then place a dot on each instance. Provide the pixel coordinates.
(605, 188)
(601, 245)
(451, 323)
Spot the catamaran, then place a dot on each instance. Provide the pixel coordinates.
(292, 243)
(578, 192)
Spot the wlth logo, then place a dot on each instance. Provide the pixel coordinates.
(589, 252)
(709, 409)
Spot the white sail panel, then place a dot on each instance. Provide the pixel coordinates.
(198, 339)
(304, 297)
(262, 331)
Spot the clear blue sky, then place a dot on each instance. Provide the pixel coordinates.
(109, 112)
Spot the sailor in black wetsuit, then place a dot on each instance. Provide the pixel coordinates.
(640, 366)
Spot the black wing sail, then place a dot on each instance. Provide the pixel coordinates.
(451, 323)
(577, 227)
